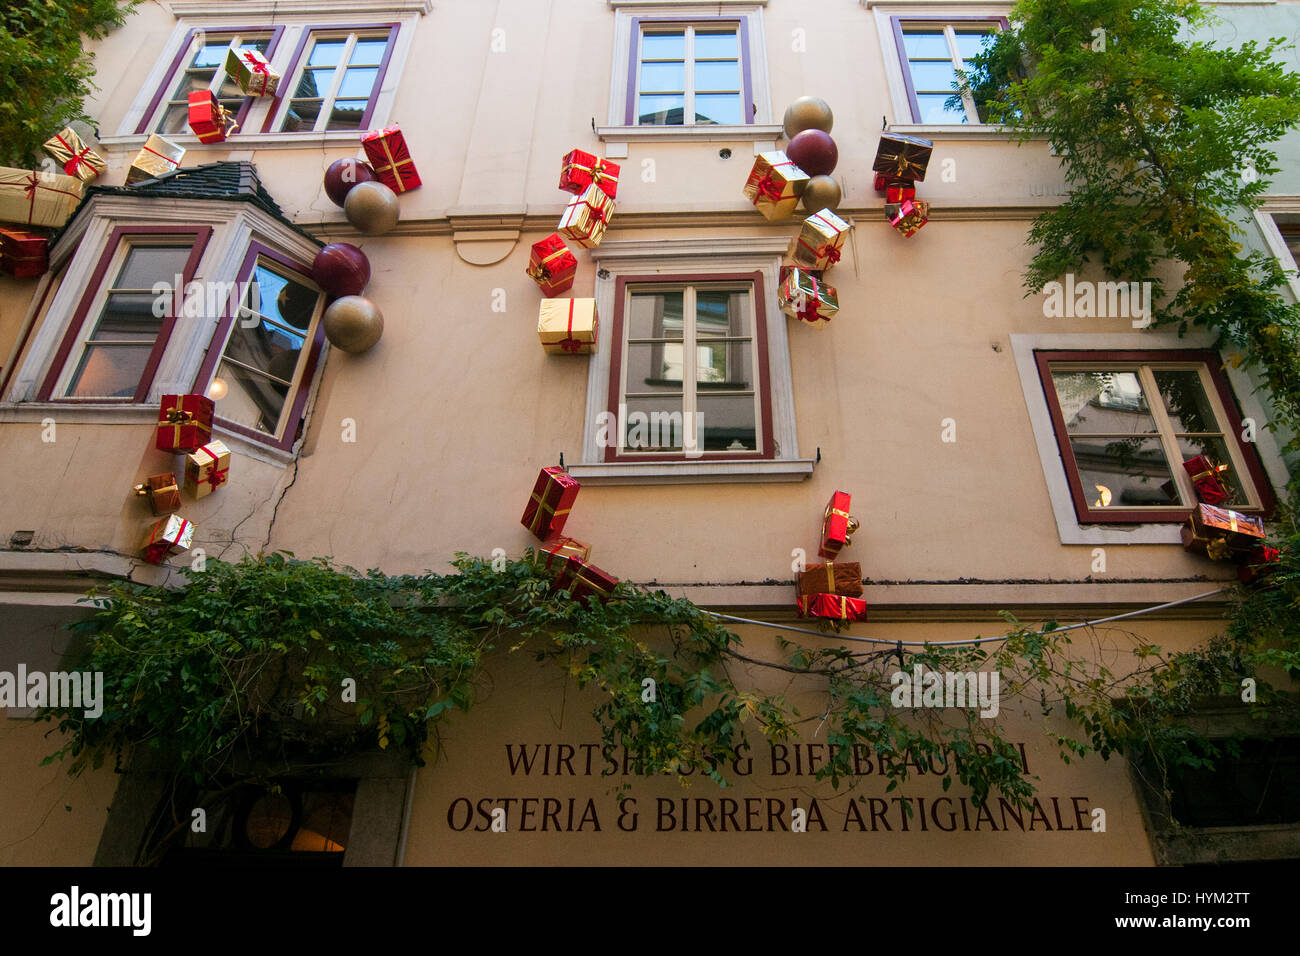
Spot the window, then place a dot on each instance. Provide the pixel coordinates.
(690, 375)
(1126, 421)
(689, 74)
(202, 66)
(121, 327)
(266, 351)
(931, 52)
(335, 81)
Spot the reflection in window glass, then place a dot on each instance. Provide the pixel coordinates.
(690, 76)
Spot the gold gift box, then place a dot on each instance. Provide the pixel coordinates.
(586, 217)
(805, 295)
(568, 326)
(819, 241)
(36, 198)
(207, 469)
(77, 158)
(156, 158)
(775, 184)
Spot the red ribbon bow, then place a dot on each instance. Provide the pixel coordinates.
(830, 253)
(257, 66)
(70, 167)
(570, 344)
(769, 188)
(597, 213)
(809, 312)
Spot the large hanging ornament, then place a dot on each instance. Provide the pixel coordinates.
(353, 323)
(807, 112)
(372, 208)
(341, 269)
(343, 174)
(296, 304)
(822, 192)
(813, 151)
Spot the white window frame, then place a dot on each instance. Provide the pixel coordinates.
(677, 257)
(214, 87)
(688, 71)
(954, 56)
(351, 36)
(1266, 218)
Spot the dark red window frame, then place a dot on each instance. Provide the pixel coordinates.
(634, 61)
(169, 82)
(1214, 364)
(292, 69)
(218, 347)
(897, 23)
(201, 235)
(763, 387)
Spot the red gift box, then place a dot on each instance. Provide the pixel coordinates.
(1206, 477)
(837, 525)
(23, 254)
(836, 606)
(882, 183)
(899, 193)
(209, 119)
(548, 507)
(582, 580)
(552, 266)
(582, 169)
(387, 152)
(184, 422)
(1260, 563)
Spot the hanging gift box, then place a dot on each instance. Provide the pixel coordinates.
(251, 72)
(184, 422)
(896, 194)
(209, 119)
(583, 170)
(388, 154)
(567, 326)
(548, 506)
(583, 580)
(803, 295)
(902, 157)
(156, 158)
(882, 183)
(1261, 562)
(775, 184)
(908, 216)
(586, 217)
(162, 492)
(23, 254)
(819, 241)
(831, 578)
(552, 266)
(78, 159)
(837, 607)
(552, 556)
(1219, 533)
(38, 199)
(207, 468)
(170, 535)
(1208, 479)
(837, 525)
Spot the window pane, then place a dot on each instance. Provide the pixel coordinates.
(301, 115)
(1216, 449)
(110, 371)
(280, 298)
(193, 80)
(252, 400)
(213, 53)
(661, 111)
(128, 316)
(655, 315)
(1103, 402)
(146, 265)
(970, 42)
(230, 89)
(663, 46)
(926, 44)
(724, 365)
(368, 52)
(265, 346)
(933, 76)
(1185, 400)
(358, 83)
(654, 367)
(654, 424)
(326, 52)
(718, 109)
(935, 110)
(347, 114)
(175, 120)
(660, 77)
(716, 45)
(1124, 472)
(723, 75)
(314, 83)
(727, 423)
(721, 313)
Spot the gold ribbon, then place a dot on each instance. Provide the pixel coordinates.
(541, 273)
(830, 576)
(541, 507)
(393, 162)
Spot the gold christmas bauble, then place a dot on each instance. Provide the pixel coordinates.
(371, 207)
(822, 192)
(353, 323)
(807, 112)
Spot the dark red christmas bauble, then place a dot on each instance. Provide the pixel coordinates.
(343, 174)
(813, 151)
(341, 269)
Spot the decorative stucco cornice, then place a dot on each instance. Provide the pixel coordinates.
(295, 8)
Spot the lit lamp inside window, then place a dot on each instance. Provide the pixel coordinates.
(217, 390)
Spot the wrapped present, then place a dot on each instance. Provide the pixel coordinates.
(834, 606)
(897, 193)
(586, 217)
(908, 216)
(1207, 478)
(804, 295)
(251, 72)
(209, 119)
(582, 170)
(157, 157)
(831, 578)
(38, 199)
(184, 422)
(23, 254)
(1220, 534)
(548, 506)
(78, 159)
(582, 580)
(902, 157)
(170, 535)
(552, 266)
(818, 244)
(567, 326)
(207, 468)
(162, 491)
(552, 556)
(1260, 563)
(837, 525)
(882, 183)
(775, 184)
(388, 154)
